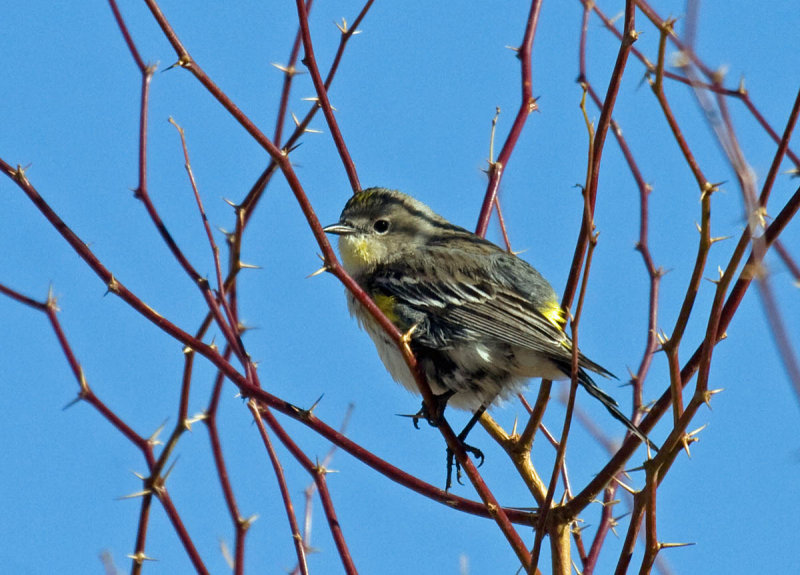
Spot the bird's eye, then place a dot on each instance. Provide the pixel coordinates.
(381, 226)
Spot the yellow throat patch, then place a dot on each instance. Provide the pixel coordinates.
(355, 253)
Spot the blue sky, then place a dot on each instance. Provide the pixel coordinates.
(415, 97)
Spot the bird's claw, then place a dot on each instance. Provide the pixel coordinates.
(433, 416)
(452, 461)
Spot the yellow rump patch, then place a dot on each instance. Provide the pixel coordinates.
(554, 314)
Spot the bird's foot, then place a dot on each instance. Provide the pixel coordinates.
(452, 461)
(435, 415)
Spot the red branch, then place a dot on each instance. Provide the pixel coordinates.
(527, 105)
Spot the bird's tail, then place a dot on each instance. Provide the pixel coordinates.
(611, 405)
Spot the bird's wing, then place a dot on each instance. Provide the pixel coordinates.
(517, 306)
(510, 306)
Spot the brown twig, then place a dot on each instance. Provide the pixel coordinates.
(527, 105)
(297, 539)
(628, 38)
(310, 62)
(318, 473)
(304, 538)
(155, 484)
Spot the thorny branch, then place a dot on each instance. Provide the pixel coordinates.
(556, 520)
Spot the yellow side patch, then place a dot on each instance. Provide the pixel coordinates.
(554, 314)
(386, 304)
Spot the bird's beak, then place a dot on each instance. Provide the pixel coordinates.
(340, 229)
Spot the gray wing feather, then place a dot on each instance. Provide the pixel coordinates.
(466, 302)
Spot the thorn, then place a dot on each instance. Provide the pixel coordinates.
(406, 338)
(718, 77)
(247, 522)
(319, 468)
(686, 440)
(618, 517)
(625, 486)
(721, 273)
(19, 174)
(138, 475)
(758, 218)
(52, 302)
(226, 554)
(708, 394)
(188, 422)
(343, 27)
(246, 266)
(135, 495)
(286, 152)
(73, 402)
(140, 557)
(633, 469)
(112, 286)
(243, 328)
(321, 270)
(166, 475)
(153, 439)
(668, 545)
(578, 530)
(613, 524)
(697, 431)
(311, 409)
(709, 188)
(288, 70)
(297, 123)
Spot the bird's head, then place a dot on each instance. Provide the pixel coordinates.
(378, 225)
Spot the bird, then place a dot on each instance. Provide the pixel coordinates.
(480, 320)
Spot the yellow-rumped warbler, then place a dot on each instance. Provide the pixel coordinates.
(483, 321)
